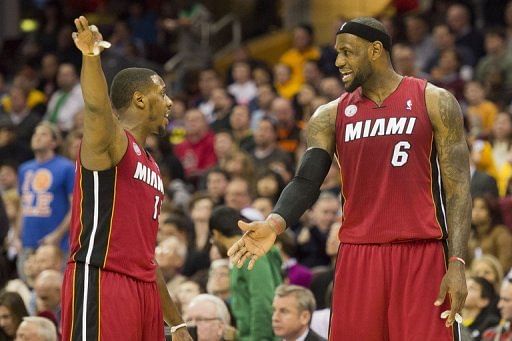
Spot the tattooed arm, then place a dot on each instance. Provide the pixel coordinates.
(298, 195)
(452, 149)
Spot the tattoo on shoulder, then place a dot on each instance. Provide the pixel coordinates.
(320, 130)
(449, 110)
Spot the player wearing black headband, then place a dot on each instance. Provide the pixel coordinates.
(404, 164)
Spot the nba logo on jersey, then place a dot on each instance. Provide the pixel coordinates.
(136, 149)
(408, 105)
(350, 110)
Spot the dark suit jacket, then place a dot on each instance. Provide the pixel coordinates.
(482, 183)
(312, 336)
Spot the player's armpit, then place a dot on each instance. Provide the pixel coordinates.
(322, 126)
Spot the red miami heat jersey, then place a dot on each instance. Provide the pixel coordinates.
(391, 185)
(115, 213)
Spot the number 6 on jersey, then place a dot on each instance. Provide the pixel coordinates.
(400, 155)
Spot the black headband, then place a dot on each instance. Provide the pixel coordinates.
(366, 32)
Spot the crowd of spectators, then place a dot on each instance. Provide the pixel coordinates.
(232, 144)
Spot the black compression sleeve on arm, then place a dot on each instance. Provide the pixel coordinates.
(302, 192)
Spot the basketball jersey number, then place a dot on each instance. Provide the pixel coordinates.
(400, 155)
(155, 212)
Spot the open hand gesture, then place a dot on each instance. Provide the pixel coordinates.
(87, 38)
(256, 241)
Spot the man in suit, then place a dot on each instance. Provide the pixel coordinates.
(293, 307)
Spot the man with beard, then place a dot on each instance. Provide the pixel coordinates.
(404, 166)
(252, 291)
(117, 198)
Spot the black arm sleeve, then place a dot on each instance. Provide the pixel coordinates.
(301, 193)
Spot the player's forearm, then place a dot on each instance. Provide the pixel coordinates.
(94, 85)
(456, 181)
(171, 314)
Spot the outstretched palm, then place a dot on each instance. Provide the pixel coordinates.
(257, 240)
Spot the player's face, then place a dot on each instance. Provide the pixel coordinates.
(160, 107)
(352, 60)
(287, 320)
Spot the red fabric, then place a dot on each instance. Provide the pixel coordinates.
(388, 168)
(129, 309)
(387, 292)
(196, 157)
(128, 232)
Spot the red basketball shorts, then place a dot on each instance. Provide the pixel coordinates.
(387, 292)
(108, 306)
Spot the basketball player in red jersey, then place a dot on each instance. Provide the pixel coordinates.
(113, 289)
(404, 166)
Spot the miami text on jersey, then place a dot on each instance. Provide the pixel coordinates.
(379, 127)
(150, 177)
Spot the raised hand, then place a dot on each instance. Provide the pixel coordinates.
(87, 38)
(256, 241)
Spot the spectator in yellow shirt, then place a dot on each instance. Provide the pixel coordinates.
(302, 51)
(481, 112)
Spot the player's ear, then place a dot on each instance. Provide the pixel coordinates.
(375, 50)
(139, 100)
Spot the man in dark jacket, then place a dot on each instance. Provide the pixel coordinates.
(293, 308)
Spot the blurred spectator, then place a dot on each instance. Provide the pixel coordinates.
(216, 183)
(481, 184)
(269, 184)
(263, 205)
(49, 257)
(313, 74)
(239, 197)
(71, 145)
(186, 292)
(35, 328)
(47, 289)
(304, 106)
(293, 272)
(10, 149)
(303, 49)
(122, 39)
(283, 81)
(488, 267)
(444, 39)
(243, 87)
(293, 307)
(8, 177)
(322, 317)
(35, 99)
(12, 311)
(218, 279)
(170, 255)
(24, 119)
(480, 111)
(251, 290)
(501, 140)
(496, 55)
(312, 240)
(196, 152)
(288, 132)
(458, 19)
(417, 33)
(224, 146)
(488, 235)
(142, 22)
(446, 73)
(208, 81)
(263, 104)
(503, 331)
(240, 127)
(267, 150)
(239, 164)
(222, 106)
(403, 57)
(45, 187)
(331, 88)
(200, 209)
(49, 69)
(262, 75)
(66, 102)
(480, 312)
(211, 317)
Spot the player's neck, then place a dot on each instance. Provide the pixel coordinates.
(381, 85)
(137, 130)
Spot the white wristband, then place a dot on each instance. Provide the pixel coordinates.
(175, 328)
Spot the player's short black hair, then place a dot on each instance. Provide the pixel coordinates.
(225, 220)
(126, 82)
(371, 22)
